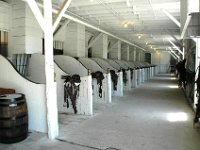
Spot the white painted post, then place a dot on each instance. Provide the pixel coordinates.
(197, 63)
(135, 78)
(128, 53)
(108, 88)
(119, 50)
(105, 46)
(134, 54)
(128, 80)
(51, 95)
(120, 85)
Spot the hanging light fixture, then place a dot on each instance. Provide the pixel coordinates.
(125, 25)
(128, 3)
(91, 0)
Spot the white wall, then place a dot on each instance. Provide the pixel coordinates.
(74, 43)
(35, 95)
(25, 35)
(5, 11)
(161, 59)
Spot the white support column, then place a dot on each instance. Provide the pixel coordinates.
(105, 46)
(51, 95)
(128, 53)
(120, 85)
(108, 88)
(134, 54)
(129, 82)
(197, 64)
(119, 50)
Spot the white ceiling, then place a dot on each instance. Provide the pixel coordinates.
(143, 17)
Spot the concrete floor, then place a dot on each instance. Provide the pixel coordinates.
(154, 116)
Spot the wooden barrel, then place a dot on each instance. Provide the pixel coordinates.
(13, 118)
(6, 91)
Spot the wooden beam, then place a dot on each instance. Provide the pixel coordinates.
(111, 47)
(174, 38)
(62, 26)
(176, 47)
(95, 28)
(94, 40)
(37, 13)
(172, 18)
(60, 13)
(185, 26)
(171, 50)
(172, 55)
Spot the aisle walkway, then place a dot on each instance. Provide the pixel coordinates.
(144, 119)
(154, 116)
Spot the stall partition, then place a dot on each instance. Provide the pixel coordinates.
(34, 93)
(126, 68)
(118, 90)
(63, 67)
(101, 93)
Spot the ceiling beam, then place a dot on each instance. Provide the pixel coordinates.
(171, 50)
(172, 55)
(152, 8)
(37, 13)
(174, 38)
(96, 28)
(60, 13)
(176, 47)
(61, 27)
(172, 18)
